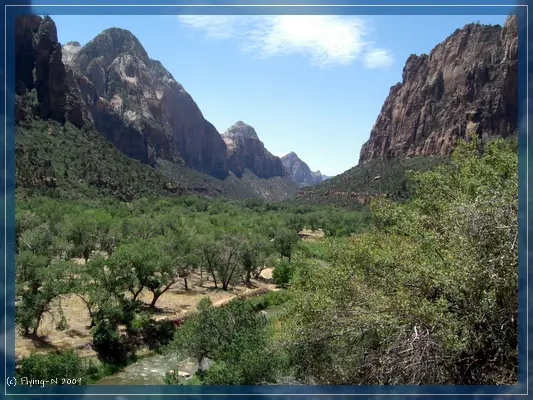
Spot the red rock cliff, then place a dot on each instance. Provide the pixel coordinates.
(469, 82)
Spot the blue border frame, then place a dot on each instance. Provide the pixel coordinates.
(376, 7)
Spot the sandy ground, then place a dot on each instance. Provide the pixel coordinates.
(308, 234)
(172, 304)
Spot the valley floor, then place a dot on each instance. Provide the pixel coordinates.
(171, 305)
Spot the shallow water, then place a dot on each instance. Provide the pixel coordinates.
(151, 370)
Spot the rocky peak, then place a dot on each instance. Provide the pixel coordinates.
(241, 130)
(69, 51)
(108, 45)
(468, 83)
(299, 171)
(246, 151)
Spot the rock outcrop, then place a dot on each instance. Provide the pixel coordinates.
(39, 69)
(299, 171)
(246, 151)
(468, 83)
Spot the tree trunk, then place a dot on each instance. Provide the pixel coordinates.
(214, 279)
(135, 294)
(186, 283)
(154, 299)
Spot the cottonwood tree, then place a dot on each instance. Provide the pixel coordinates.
(40, 276)
(94, 283)
(285, 241)
(234, 337)
(253, 255)
(220, 255)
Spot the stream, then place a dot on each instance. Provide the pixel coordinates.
(151, 370)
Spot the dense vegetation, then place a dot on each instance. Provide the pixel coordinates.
(429, 296)
(151, 245)
(422, 291)
(377, 177)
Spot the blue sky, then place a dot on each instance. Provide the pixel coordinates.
(309, 84)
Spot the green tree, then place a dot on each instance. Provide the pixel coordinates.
(285, 242)
(235, 337)
(253, 255)
(40, 276)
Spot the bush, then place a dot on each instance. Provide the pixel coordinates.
(51, 366)
(109, 345)
(269, 299)
(283, 273)
(158, 333)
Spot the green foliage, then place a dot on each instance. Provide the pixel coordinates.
(388, 177)
(283, 273)
(428, 298)
(285, 241)
(269, 299)
(234, 337)
(108, 343)
(67, 162)
(55, 367)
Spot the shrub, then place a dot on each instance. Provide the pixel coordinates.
(283, 272)
(65, 364)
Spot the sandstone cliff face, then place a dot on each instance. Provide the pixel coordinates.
(246, 151)
(468, 83)
(299, 171)
(38, 66)
(138, 106)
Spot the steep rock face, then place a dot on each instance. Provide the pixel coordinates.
(299, 171)
(38, 66)
(138, 105)
(246, 151)
(468, 83)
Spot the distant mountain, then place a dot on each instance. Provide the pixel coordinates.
(246, 151)
(299, 171)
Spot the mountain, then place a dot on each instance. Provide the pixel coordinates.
(246, 151)
(139, 106)
(300, 171)
(468, 83)
(111, 88)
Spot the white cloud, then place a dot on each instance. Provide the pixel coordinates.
(377, 58)
(325, 40)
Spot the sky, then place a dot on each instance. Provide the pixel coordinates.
(309, 84)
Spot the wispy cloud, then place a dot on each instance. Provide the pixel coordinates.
(377, 58)
(325, 40)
